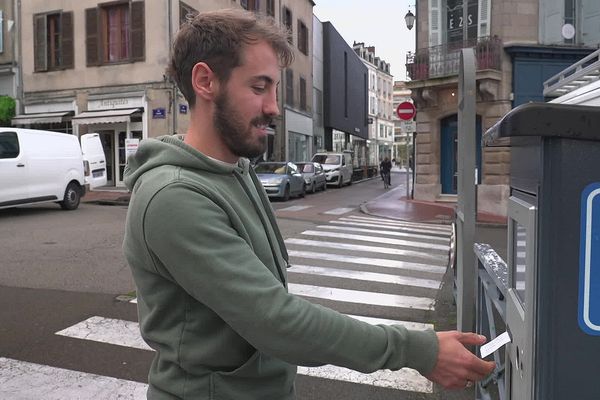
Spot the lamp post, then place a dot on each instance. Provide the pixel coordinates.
(410, 20)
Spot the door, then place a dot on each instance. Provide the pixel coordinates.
(13, 170)
(121, 156)
(449, 150)
(108, 145)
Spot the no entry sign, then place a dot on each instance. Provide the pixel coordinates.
(406, 111)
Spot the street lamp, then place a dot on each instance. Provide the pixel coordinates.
(410, 20)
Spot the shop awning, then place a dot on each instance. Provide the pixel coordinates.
(104, 117)
(41, 118)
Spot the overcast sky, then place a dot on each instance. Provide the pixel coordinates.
(378, 23)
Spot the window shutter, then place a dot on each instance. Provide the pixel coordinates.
(92, 37)
(138, 37)
(66, 39)
(40, 50)
(483, 26)
(435, 23)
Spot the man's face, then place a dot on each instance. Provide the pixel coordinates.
(247, 102)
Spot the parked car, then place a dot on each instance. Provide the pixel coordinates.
(94, 160)
(280, 179)
(337, 167)
(41, 166)
(314, 176)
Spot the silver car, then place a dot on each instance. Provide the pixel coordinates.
(280, 179)
(314, 176)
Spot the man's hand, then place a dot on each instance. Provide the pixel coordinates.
(456, 366)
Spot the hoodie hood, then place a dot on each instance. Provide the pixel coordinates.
(170, 150)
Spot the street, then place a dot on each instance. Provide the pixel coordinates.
(68, 327)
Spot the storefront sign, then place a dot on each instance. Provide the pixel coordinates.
(131, 146)
(159, 113)
(115, 103)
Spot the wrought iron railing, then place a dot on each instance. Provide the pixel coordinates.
(444, 60)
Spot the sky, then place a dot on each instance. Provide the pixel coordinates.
(378, 23)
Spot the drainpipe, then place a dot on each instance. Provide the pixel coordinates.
(17, 54)
(173, 88)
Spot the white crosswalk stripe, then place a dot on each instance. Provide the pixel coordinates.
(20, 380)
(407, 257)
(382, 240)
(294, 208)
(366, 276)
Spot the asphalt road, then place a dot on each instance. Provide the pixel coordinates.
(59, 269)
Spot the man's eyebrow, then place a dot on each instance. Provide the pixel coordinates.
(264, 78)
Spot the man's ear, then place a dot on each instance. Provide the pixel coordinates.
(204, 81)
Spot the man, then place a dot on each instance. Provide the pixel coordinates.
(386, 167)
(207, 255)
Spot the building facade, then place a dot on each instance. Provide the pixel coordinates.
(345, 79)
(92, 66)
(515, 53)
(380, 86)
(9, 50)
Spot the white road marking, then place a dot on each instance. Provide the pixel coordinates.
(294, 208)
(386, 232)
(440, 259)
(339, 211)
(393, 222)
(378, 262)
(20, 380)
(404, 379)
(357, 296)
(107, 330)
(380, 321)
(381, 240)
(400, 228)
(366, 276)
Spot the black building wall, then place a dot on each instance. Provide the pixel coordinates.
(345, 94)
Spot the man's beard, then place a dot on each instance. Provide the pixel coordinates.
(235, 135)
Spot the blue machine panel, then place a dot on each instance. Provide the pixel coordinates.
(589, 261)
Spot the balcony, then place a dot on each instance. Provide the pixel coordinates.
(444, 60)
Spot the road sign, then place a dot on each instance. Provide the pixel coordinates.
(589, 261)
(406, 111)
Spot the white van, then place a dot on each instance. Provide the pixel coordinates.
(94, 160)
(40, 166)
(337, 166)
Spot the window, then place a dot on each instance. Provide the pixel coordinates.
(271, 8)
(252, 5)
(9, 145)
(303, 94)
(185, 13)
(53, 44)
(287, 21)
(289, 87)
(302, 37)
(115, 33)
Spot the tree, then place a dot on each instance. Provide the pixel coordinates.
(7, 110)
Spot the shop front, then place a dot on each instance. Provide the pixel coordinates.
(116, 120)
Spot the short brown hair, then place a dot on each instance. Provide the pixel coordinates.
(218, 39)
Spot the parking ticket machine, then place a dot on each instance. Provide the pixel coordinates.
(553, 296)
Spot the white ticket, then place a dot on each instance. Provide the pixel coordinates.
(494, 345)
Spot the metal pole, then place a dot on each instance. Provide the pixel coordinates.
(466, 278)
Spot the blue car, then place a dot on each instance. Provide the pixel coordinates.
(280, 179)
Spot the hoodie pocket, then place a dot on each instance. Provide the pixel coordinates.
(239, 383)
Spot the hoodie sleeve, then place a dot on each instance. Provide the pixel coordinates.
(205, 255)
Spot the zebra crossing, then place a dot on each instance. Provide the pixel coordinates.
(372, 269)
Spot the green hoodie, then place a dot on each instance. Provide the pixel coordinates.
(210, 264)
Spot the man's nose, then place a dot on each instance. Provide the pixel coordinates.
(270, 106)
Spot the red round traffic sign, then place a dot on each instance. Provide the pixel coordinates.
(406, 111)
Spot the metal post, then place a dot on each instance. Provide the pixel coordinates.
(466, 278)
